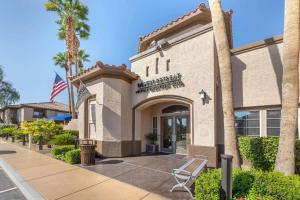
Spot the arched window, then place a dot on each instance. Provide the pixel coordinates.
(175, 109)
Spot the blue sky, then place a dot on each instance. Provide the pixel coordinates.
(28, 38)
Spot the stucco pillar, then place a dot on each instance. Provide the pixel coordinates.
(263, 123)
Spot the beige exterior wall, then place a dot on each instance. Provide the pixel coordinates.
(28, 114)
(113, 110)
(194, 58)
(124, 115)
(257, 77)
(96, 88)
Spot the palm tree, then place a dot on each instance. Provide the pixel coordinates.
(225, 71)
(8, 94)
(285, 160)
(60, 59)
(73, 17)
(82, 57)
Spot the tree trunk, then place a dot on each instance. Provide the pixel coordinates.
(29, 141)
(69, 94)
(72, 92)
(76, 65)
(223, 50)
(285, 160)
(69, 44)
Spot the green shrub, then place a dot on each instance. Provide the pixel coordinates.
(207, 186)
(276, 185)
(63, 139)
(242, 182)
(73, 156)
(74, 133)
(297, 155)
(60, 151)
(262, 151)
(249, 185)
(9, 129)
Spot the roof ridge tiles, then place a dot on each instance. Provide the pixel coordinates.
(201, 7)
(100, 65)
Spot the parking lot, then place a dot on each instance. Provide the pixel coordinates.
(8, 190)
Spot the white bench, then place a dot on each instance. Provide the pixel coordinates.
(188, 172)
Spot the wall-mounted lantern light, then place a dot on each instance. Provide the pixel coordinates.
(203, 96)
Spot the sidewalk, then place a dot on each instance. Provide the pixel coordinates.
(54, 179)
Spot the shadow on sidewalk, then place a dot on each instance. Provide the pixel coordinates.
(7, 152)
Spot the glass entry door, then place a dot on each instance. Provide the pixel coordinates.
(167, 144)
(174, 134)
(181, 126)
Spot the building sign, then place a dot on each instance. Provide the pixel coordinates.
(162, 83)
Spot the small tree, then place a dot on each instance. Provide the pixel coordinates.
(46, 128)
(27, 128)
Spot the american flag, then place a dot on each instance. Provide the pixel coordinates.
(58, 86)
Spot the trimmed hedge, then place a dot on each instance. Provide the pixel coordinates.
(63, 139)
(74, 133)
(261, 152)
(73, 156)
(249, 185)
(60, 151)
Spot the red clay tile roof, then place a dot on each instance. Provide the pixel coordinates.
(202, 7)
(105, 69)
(200, 15)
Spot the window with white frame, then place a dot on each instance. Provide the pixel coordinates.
(154, 125)
(92, 118)
(247, 122)
(273, 122)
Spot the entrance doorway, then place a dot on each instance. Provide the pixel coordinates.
(175, 125)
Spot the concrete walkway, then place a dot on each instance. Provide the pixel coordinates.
(54, 179)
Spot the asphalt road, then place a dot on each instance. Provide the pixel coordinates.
(8, 190)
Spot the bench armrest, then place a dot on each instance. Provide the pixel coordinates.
(177, 171)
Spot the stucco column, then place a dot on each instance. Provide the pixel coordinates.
(263, 123)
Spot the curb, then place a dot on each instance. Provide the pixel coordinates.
(28, 191)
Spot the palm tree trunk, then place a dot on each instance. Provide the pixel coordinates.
(285, 160)
(71, 89)
(69, 94)
(76, 65)
(69, 44)
(223, 50)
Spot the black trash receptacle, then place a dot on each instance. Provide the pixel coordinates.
(87, 152)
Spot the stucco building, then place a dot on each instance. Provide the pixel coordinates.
(173, 89)
(16, 114)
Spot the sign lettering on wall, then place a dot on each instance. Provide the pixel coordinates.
(162, 83)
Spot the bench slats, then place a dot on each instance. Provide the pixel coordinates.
(199, 169)
(189, 171)
(187, 164)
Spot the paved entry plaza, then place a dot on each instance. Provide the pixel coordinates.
(148, 172)
(146, 177)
